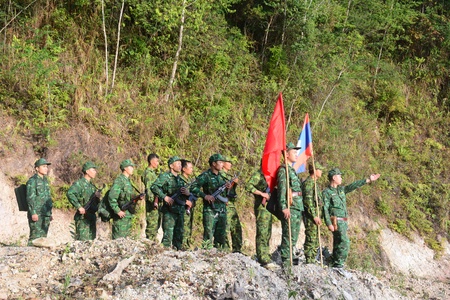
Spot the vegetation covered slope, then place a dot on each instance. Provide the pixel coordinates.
(195, 77)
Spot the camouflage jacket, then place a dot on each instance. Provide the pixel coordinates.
(80, 192)
(335, 202)
(120, 193)
(207, 183)
(309, 197)
(294, 185)
(148, 179)
(166, 184)
(38, 196)
(257, 183)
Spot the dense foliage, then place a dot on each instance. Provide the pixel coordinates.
(373, 75)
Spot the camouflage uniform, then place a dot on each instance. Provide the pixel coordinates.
(168, 184)
(153, 216)
(263, 218)
(234, 227)
(311, 230)
(214, 219)
(119, 194)
(39, 203)
(79, 194)
(188, 222)
(295, 209)
(335, 204)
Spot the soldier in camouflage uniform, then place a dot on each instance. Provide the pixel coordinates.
(234, 227)
(187, 169)
(294, 213)
(214, 212)
(335, 208)
(257, 185)
(119, 195)
(79, 195)
(153, 212)
(39, 201)
(311, 214)
(165, 187)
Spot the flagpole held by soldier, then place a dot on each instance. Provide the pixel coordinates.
(288, 180)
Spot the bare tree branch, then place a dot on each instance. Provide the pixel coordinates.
(177, 54)
(106, 47)
(117, 44)
(13, 18)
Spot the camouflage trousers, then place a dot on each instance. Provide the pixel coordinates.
(234, 229)
(85, 227)
(341, 244)
(311, 240)
(215, 225)
(263, 234)
(173, 226)
(121, 227)
(296, 220)
(154, 219)
(39, 228)
(187, 235)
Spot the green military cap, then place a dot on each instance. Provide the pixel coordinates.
(317, 165)
(173, 159)
(41, 162)
(126, 163)
(227, 159)
(88, 165)
(216, 157)
(333, 172)
(291, 145)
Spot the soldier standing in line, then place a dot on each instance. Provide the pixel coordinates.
(187, 169)
(257, 185)
(165, 187)
(336, 214)
(39, 201)
(294, 213)
(153, 212)
(234, 227)
(79, 195)
(214, 212)
(311, 215)
(120, 194)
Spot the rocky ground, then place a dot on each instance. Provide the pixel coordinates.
(140, 269)
(129, 269)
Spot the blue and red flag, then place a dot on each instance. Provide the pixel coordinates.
(275, 144)
(305, 142)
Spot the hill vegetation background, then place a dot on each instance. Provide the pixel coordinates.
(197, 77)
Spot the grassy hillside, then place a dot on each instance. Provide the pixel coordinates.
(373, 77)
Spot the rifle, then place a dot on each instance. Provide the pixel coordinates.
(130, 205)
(219, 191)
(176, 196)
(92, 204)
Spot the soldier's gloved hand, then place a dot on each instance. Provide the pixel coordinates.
(286, 213)
(35, 218)
(81, 210)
